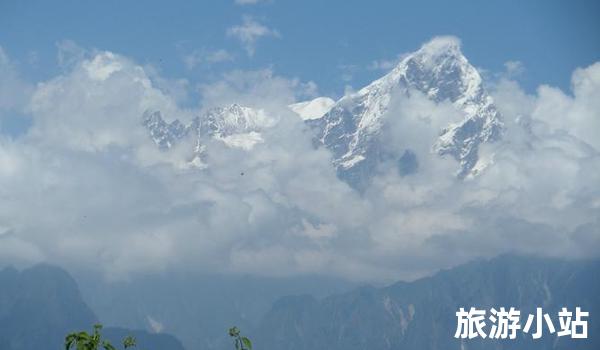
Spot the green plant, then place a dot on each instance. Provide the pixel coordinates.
(241, 343)
(85, 341)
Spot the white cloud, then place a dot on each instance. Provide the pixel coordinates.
(87, 187)
(514, 68)
(94, 191)
(95, 105)
(578, 114)
(249, 32)
(255, 89)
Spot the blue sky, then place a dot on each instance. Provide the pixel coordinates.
(334, 43)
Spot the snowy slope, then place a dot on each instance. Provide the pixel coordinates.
(441, 72)
(313, 109)
(234, 125)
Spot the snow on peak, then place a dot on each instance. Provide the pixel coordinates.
(234, 125)
(440, 71)
(234, 119)
(313, 109)
(352, 126)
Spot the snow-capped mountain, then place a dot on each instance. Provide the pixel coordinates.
(235, 125)
(162, 133)
(232, 120)
(439, 70)
(352, 127)
(313, 109)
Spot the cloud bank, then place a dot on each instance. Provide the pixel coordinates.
(86, 186)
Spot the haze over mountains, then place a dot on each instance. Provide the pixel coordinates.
(38, 306)
(197, 308)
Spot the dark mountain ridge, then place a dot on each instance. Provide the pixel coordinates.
(421, 314)
(40, 305)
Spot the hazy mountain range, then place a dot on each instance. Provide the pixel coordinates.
(197, 308)
(38, 306)
(420, 314)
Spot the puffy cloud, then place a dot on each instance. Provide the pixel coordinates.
(96, 105)
(249, 32)
(255, 89)
(578, 114)
(87, 187)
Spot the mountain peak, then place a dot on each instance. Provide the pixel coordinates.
(352, 128)
(439, 70)
(437, 52)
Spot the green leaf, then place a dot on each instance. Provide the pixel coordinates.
(247, 343)
(129, 342)
(69, 340)
(107, 345)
